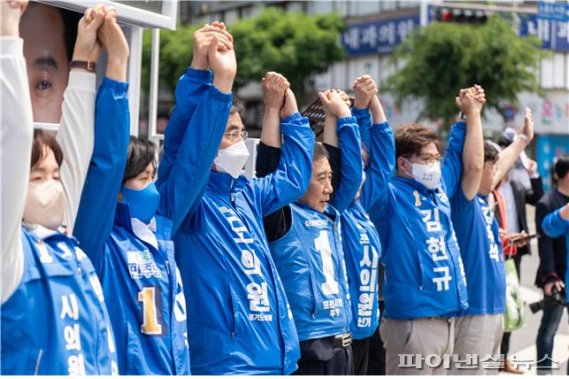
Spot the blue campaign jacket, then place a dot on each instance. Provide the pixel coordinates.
(362, 247)
(554, 226)
(139, 274)
(240, 321)
(310, 258)
(481, 251)
(56, 322)
(311, 264)
(424, 276)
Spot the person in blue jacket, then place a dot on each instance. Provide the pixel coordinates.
(239, 321)
(479, 330)
(129, 244)
(306, 244)
(425, 287)
(360, 240)
(53, 316)
(555, 225)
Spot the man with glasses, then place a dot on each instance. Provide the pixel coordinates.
(239, 321)
(424, 285)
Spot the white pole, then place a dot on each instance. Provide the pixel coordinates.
(153, 95)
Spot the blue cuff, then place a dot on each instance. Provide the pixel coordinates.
(292, 117)
(200, 75)
(218, 95)
(381, 126)
(114, 85)
(360, 111)
(459, 124)
(346, 121)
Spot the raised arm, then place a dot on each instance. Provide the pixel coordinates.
(76, 130)
(453, 166)
(96, 213)
(190, 90)
(381, 157)
(16, 136)
(269, 149)
(186, 183)
(470, 102)
(364, 89)
(534, 194)
(274, 89)
(510, 155)
(345, 136)
(292, 175)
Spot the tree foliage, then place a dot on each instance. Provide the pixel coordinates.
(441, 58)
(175, 55)
(294, 44)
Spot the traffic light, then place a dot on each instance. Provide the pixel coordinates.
(460, 16)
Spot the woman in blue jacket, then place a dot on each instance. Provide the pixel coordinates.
(53, 316)
(129, 245)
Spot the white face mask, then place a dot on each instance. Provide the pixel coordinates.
(429, 176)
(232, 159)
(45, 204)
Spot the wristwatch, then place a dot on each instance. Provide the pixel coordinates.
(85, 65)
(462, 116)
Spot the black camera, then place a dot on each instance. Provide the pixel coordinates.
(556, 297)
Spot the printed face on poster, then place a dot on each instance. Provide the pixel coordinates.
(49, 30)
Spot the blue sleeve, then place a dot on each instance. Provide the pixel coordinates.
(292, 176)
(191, 87)
(351, 164)
(363, 118)
(452, 166)
(381, 165)
(186, 183)
(554, 226)
(96, 213)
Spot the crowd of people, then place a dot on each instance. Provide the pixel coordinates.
(114, 263)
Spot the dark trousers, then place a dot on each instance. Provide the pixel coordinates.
(550, 319)
(376, 364)
(320, 357)
(360, 349)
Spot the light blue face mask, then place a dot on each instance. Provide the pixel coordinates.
(143, 203)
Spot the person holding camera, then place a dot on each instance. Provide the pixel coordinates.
(552, 223)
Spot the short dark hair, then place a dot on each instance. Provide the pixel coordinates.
(320, 152)
(238, 106)
(140, 154)
(561, 167)
(491, 154)
(70, 21)
(411, 138)
(43, 140)
(503, 142)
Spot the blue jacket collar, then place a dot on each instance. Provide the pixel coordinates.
(222, 183)
(122, 216)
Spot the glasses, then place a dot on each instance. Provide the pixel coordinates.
(430, 160)
(237, 135)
